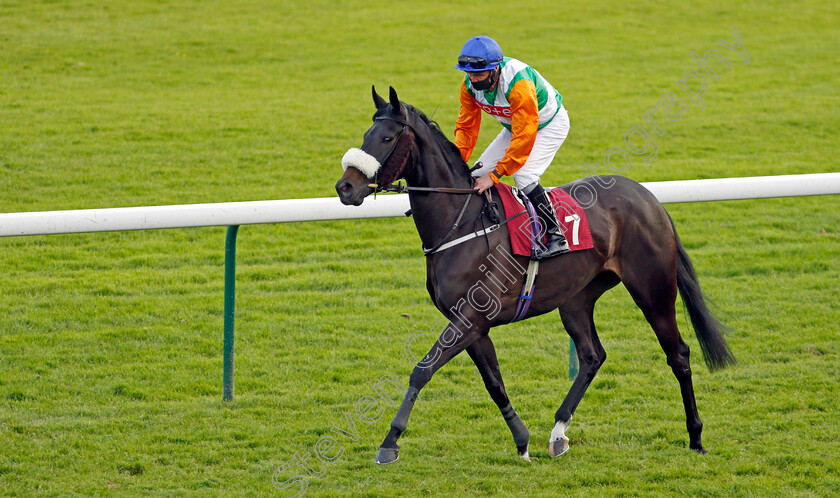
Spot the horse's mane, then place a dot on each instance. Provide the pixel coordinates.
(453, 153)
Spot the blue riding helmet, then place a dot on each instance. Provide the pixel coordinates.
(480, 53)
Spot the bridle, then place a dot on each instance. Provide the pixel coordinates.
(442, 244)
(384, 160)
(402, 189)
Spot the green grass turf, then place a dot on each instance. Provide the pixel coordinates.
(110, 344)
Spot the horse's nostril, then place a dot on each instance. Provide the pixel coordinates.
(344, 189)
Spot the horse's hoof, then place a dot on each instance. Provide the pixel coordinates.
(523, 453)
(701, 450)
(558, 447)
(387, 455)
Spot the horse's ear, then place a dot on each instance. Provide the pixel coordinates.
(378, 101)
(395, 101)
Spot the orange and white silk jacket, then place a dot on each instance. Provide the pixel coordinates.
(522, 100)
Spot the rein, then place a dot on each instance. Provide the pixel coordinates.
(402, 189)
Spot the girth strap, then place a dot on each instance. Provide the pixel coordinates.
(527, 291)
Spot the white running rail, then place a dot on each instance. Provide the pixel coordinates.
(329, 208)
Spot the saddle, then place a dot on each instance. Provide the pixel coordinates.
(571, 218)
(521, 227)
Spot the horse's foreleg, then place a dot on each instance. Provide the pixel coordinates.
(451, 342)
(577, 319)
(483, 354)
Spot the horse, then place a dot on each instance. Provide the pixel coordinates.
(635, 242)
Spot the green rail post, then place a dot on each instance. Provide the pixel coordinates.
(230, 302)
(574, 366)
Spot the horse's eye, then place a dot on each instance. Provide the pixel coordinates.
(387, 139)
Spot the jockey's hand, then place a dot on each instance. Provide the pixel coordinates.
(482, 183)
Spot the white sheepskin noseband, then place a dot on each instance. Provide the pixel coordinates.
(362, 161)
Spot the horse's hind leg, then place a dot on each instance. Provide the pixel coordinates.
(483, 354)
(655, 292)
(578, 321)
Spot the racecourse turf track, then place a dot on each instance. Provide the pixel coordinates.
(110, 344)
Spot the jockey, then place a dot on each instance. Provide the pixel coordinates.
(534, 125)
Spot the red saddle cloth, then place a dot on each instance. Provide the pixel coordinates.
(571, 216)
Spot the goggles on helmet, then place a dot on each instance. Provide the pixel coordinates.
(475, 62)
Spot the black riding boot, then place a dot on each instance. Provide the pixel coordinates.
(555, 240)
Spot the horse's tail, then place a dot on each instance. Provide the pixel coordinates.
(707, 327)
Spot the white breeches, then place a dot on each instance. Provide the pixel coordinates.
(549, 139)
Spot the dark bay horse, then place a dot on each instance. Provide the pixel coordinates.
(476, 284)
